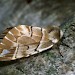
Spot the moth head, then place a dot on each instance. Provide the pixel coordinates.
(54, 34)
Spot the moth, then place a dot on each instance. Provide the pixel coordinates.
(24, 41)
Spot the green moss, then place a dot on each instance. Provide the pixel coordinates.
(49, 55)
(52, 71)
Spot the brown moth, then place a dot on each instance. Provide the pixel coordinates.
(23, 41)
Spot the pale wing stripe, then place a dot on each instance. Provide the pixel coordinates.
(23, 27)
(8, 39)
(10, 33)
(17, 29)
(2, 43)
(14, 43)
(40, 40)
(14, 55)
(45, 48)
(30, 32)
(16, 51)
(25, 30)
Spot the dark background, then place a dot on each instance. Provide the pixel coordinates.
(35, 12)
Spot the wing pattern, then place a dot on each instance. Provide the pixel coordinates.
(23, 41)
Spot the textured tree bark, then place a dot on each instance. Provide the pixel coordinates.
(41, 13)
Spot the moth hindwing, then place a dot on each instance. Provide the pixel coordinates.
(23, 41)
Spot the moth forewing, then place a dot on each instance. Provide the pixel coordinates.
(23, 41)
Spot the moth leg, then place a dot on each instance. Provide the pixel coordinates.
(57, 47)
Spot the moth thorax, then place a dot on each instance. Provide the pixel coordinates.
(54, 36)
